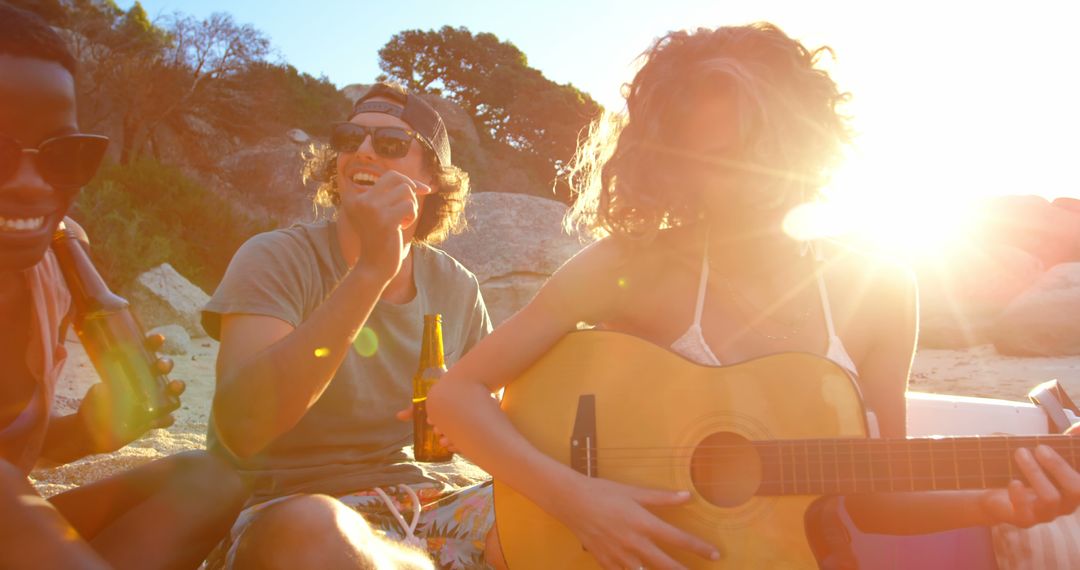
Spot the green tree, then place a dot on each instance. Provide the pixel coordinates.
(146, 78)
(451, 62)
(278, 97)
(145, 213)
(512, 103)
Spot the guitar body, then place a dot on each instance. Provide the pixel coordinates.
(657, 416)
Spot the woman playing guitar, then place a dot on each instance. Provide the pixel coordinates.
(726, 131)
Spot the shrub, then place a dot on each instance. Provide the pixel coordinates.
(146, 213)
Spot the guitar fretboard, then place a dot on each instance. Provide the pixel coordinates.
(852, 466)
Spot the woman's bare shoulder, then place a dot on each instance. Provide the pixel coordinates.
(612, 273)
(622, 254)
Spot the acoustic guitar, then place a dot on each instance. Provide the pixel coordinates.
(755, 443)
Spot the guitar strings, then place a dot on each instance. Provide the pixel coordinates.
(989, 443)
(842, 459)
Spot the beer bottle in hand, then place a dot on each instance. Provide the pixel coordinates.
(426, 446)
(113, 339)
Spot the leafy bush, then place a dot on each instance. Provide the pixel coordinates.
(146, 213)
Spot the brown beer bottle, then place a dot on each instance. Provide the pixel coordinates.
(426, 446)
(113, 339)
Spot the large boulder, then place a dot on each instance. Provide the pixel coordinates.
(513, 243)
(1045, 319)
(960, 298)
(177, 339)
(1049, 231)
(267, 178)
(162, 296)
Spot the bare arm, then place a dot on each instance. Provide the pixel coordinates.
(93, 429)
(461, 404)
(1054, 486)
(611, 519)
(270, 374)
(33, 534)
(66, 440)
(883, 376)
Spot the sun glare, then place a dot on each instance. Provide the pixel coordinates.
(875, 207)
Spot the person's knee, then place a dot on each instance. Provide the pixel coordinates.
(11, 479)
(32, 532)
(314, 515)
(318, 531)
(16, 493)
(298, 530)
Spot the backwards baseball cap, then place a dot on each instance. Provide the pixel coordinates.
(423, 118)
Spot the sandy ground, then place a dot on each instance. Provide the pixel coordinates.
(981, 371)
(977, 371)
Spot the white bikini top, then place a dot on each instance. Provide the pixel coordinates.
(692, 344)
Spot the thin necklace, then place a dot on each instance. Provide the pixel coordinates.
(754, 316)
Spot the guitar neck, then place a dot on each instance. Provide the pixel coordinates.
(853, 466)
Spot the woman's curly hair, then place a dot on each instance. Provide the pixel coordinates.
(790, 132)
(442, 211)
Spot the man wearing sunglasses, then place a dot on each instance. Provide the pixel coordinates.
(320, 328)
(167, 514)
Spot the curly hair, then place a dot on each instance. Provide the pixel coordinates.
(441, 214)
(789, 130)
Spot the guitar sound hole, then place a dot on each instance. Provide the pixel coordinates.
(725, 469)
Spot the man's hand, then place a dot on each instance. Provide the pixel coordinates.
(109, 421)
(378, 214)
(406, 416)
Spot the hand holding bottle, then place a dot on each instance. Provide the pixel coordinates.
(136, 394)
(406, 415)
(105, 424)
(428, 444)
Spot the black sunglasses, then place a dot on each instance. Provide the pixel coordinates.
(67, 161)
(388, 142)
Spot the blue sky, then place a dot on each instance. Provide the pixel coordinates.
(982, 97)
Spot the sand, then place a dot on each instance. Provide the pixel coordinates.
(977, 371)
(981, 371)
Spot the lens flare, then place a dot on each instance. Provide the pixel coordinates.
(366, 343)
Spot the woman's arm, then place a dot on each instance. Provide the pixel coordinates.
(1054, 485)
(610, 519)
(883, 377)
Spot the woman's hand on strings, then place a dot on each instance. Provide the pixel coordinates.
(1053, 489)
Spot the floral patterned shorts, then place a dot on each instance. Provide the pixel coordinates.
(453, 524)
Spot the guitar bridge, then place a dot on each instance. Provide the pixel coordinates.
(583, 438)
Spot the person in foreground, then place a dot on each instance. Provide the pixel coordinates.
(726, 131)
(320, 327)
(168, 514)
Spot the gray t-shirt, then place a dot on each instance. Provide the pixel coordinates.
(349, 440)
